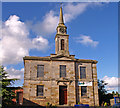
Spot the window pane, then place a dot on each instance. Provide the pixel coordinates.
(40, 90)
(83, 90)
(62, 71)
(82, 72)
(40, 71)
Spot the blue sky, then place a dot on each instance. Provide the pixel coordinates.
(92, 29)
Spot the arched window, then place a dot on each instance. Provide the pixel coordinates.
(62, 44)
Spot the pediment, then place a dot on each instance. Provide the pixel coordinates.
(62, 57)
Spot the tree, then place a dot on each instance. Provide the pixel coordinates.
(113, 92)
(117, 93)
(7, 93)
(101, 91)
(103, 96)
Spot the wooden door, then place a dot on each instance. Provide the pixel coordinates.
(62, 95)
(65, 96)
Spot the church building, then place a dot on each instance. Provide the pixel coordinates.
(60, 78)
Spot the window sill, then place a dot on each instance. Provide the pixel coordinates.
(40, 97)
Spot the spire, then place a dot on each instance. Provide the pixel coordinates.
(61, 21)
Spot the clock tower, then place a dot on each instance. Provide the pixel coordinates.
(61, 38)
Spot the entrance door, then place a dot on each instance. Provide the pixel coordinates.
(62, 95)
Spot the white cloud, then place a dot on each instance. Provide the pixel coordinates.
(15, 42)
(113, 82)
(40, 43)
(13, 73)
(50, 20)
(86, 40)
(47, 26)
(49, 23)
(17, 74)
(73, 10)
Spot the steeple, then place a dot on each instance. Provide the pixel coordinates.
(61, 28)
(61, 21)
(61, 38)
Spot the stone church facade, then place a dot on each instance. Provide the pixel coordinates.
(60, 78)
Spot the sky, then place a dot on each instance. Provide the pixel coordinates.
(29, 28)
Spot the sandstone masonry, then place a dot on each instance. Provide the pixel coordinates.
(61, 85)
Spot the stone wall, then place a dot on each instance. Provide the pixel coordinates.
(51, 82)
(92, 91)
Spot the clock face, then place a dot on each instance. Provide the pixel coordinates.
(62, 30)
